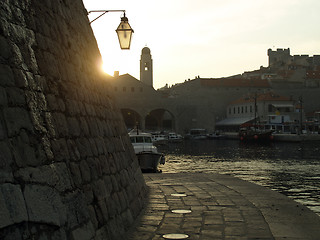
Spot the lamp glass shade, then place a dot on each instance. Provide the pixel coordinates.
(124, 32)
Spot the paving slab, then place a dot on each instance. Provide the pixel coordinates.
(220, 207)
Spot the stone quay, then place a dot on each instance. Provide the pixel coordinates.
(213, 206)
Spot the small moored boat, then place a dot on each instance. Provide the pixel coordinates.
(147, 154)
(197, 134)
(255, 135)
(158, 138)
(173, 137)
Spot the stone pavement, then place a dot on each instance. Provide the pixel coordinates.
(221, 207)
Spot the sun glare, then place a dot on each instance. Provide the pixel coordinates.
(107, 69)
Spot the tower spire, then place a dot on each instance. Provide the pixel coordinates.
(146, 68)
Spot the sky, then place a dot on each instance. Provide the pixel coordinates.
(206, 38)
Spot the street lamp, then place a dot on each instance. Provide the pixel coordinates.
(124, 30)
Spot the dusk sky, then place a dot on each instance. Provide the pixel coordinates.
(209, 38)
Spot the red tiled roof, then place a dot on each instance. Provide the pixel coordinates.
(269, 96)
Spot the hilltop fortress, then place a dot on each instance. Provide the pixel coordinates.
(202, 102)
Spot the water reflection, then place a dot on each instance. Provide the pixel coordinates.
(289, 168)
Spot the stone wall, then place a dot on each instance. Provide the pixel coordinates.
(67, 167)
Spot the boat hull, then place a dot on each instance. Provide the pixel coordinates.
(256, 136)
(149, 161)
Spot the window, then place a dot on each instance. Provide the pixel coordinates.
(246, 110)
(229, 110)
(238, 110)
(251, 108)
(270, 108)
(147, 140)
(242, 109)
(132, 89)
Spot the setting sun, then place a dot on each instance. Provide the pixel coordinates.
(107, 69)
(122, 61)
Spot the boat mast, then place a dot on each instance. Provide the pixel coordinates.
(255, 110)
(300, 101)
(137, 128)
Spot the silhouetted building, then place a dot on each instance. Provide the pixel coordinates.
(146, 71)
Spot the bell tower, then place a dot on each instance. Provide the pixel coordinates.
(146, 71)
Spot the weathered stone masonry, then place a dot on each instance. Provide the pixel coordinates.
(67, 167)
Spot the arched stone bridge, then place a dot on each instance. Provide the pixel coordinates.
(152, 115)
(141, 104)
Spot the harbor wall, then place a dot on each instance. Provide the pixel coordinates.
(67, 167)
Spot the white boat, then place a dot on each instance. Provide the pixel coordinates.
(147, 154)
(216, 135)
(158, 138)
(173, 137)
(197, 134)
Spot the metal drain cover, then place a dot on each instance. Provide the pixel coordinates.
(175, 236)
(178, 195)
(181, 211)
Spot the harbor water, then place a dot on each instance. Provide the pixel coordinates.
(292, 169)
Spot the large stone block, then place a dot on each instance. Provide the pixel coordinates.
(86, 232)
(20, 78)
(104, 164)
(60, 149)
(6, 75)
(72, 107)
(73, 150)
(6, 156)
(24, 153)
(84, 127)
(93, 127)
(3, 97)
(127, 219)
(95, 168)
(6, 159)
(16, 119)
(52, 102)
(44, 205)
(99, 189)
(84, 147)
(85, 171)
(77, 212)
(93, 217)
(73, 126)
(16, 97)
(93, 147)
(76, 174)
(99, 143)
(5, 51)
(104, 210)
(12, 206)
(55, 175)
(60, 123)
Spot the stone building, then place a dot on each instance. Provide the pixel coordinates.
(263, 108)
(202, 102)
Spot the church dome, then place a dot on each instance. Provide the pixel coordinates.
(145, 50)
